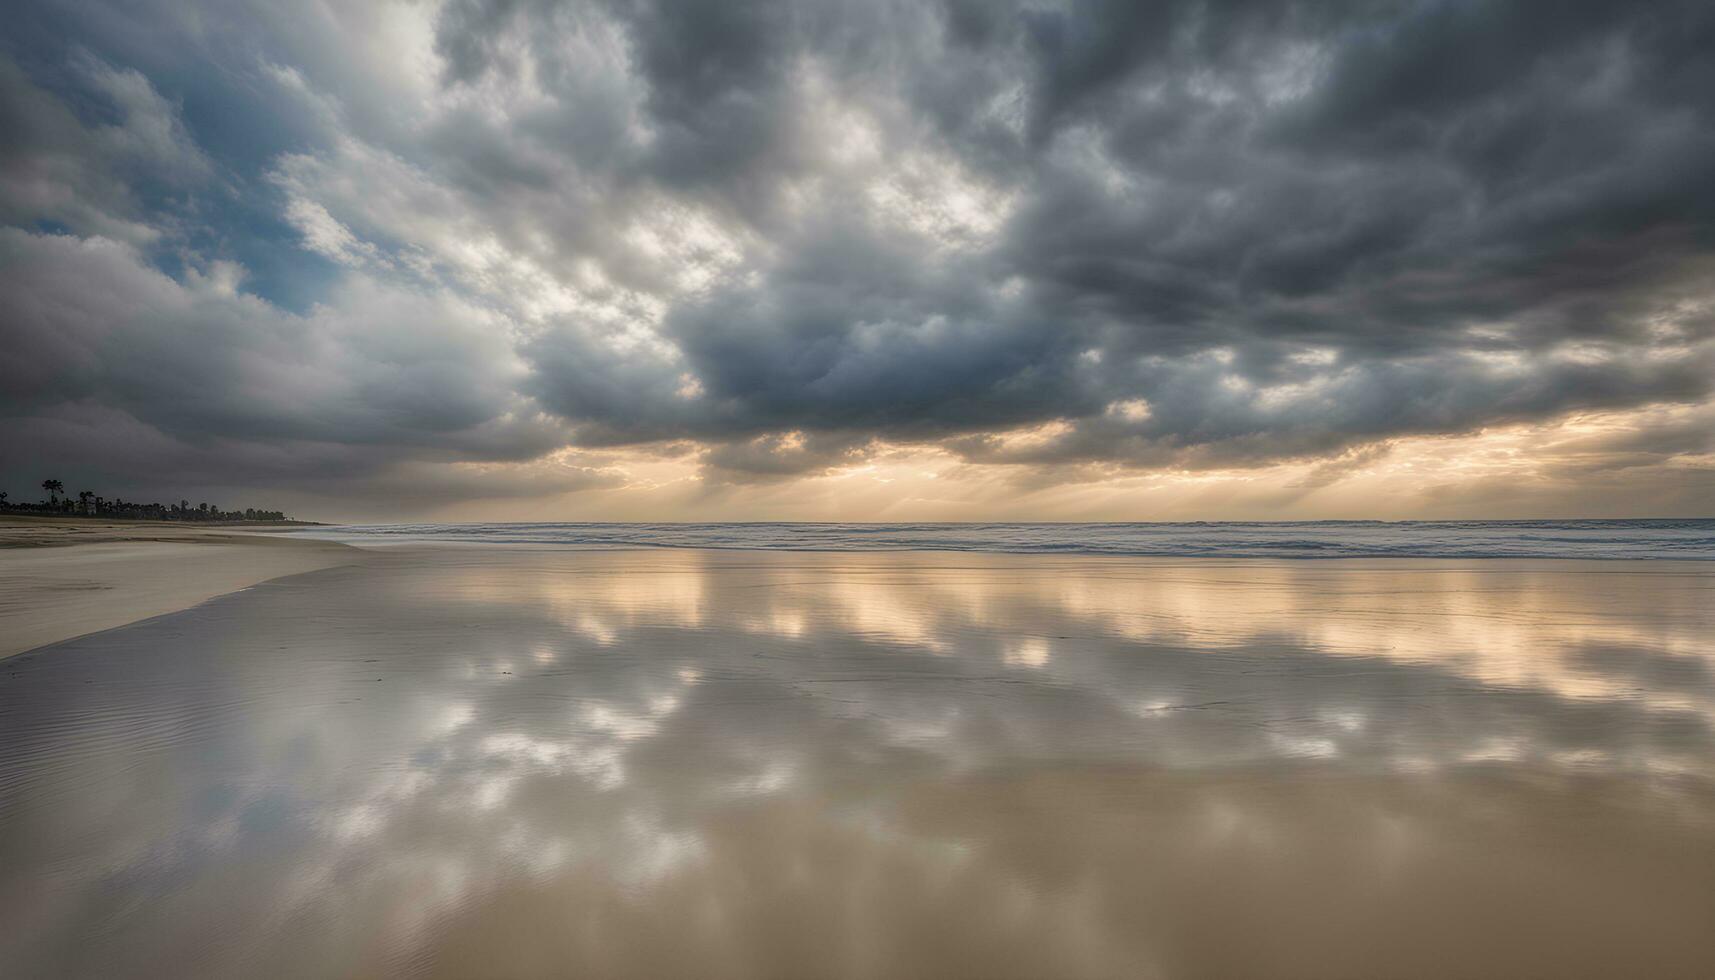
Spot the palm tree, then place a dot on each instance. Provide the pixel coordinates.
(53, 487)
(83, 497)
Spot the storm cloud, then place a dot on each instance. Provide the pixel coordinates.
(375, 250)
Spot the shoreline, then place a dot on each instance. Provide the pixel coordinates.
(50, 531)
(60, 580)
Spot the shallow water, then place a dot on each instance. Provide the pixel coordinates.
(494, 761)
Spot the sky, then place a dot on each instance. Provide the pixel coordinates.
(862, 260)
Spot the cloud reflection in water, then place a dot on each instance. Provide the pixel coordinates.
(521, 762)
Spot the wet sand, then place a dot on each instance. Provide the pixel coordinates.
(62, 579)
(516, 762)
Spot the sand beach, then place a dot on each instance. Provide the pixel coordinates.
(522, 761)
(65, 578)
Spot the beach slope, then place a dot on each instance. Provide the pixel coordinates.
(64, 579)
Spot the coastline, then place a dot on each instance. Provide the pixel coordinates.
(68, 578)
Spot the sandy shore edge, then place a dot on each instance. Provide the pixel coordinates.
(64, 579)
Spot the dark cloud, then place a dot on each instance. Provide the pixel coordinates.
(784, 456)
(1187, 234)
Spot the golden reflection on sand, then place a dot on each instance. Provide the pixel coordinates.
(1515, 624)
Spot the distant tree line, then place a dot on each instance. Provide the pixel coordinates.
(88, 504)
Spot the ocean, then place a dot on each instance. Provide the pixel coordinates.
(1592, 539)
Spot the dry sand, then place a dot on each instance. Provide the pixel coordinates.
(67, 578)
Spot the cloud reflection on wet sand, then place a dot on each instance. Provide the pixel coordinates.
(472, 761)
